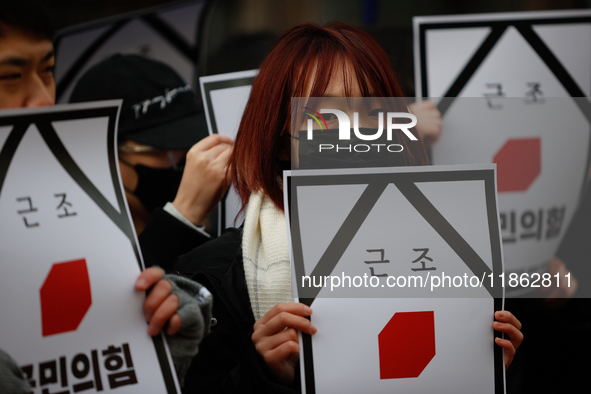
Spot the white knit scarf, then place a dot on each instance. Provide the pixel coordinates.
(266, 255)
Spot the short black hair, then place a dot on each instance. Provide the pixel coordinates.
(28, 16)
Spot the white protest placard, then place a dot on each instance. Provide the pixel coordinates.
(397, 264)
(224, 99)
(458, 55)
(168, 33)
(69, 313)
(513, 89)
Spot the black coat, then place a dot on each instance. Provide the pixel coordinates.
(227, 361)
(165, 238)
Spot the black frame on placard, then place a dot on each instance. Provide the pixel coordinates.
(406, 183)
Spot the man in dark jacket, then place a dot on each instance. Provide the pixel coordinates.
(160, 125)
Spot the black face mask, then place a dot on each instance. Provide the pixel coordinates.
(368, 153)
(155, 186)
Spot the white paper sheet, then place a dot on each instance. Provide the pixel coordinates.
(69, 313)
(393, 231)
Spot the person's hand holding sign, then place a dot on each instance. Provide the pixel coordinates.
(429, 123)
(161, 304)
(275, 338)
(506, 323)
(205, 178)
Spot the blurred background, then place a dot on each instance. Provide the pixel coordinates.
(234, 35)
(237, 33)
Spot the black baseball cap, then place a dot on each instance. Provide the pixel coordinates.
(159, 108)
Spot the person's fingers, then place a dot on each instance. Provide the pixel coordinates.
(507, 317)
(207, 158)
(423, 106)
(429, 104)
(509, 350)
(281, 361)
(174, 324)
(285, 319)
(286, 351)
(148, 277)
(269, 343)
(210, 141)
(295, 308)
(275, 337)
(229, 171)
(281, 316)
(508, 324)
(158, 294)
(165, 311)
(222, 161)
(515, 336)
(213, 152)
(224, 153)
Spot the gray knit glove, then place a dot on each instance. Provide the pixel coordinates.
(195, 303)
(12, 379)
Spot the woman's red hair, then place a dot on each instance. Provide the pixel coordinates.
(258, 158)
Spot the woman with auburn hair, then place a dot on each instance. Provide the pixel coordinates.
(307, 61)
(253, 345)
